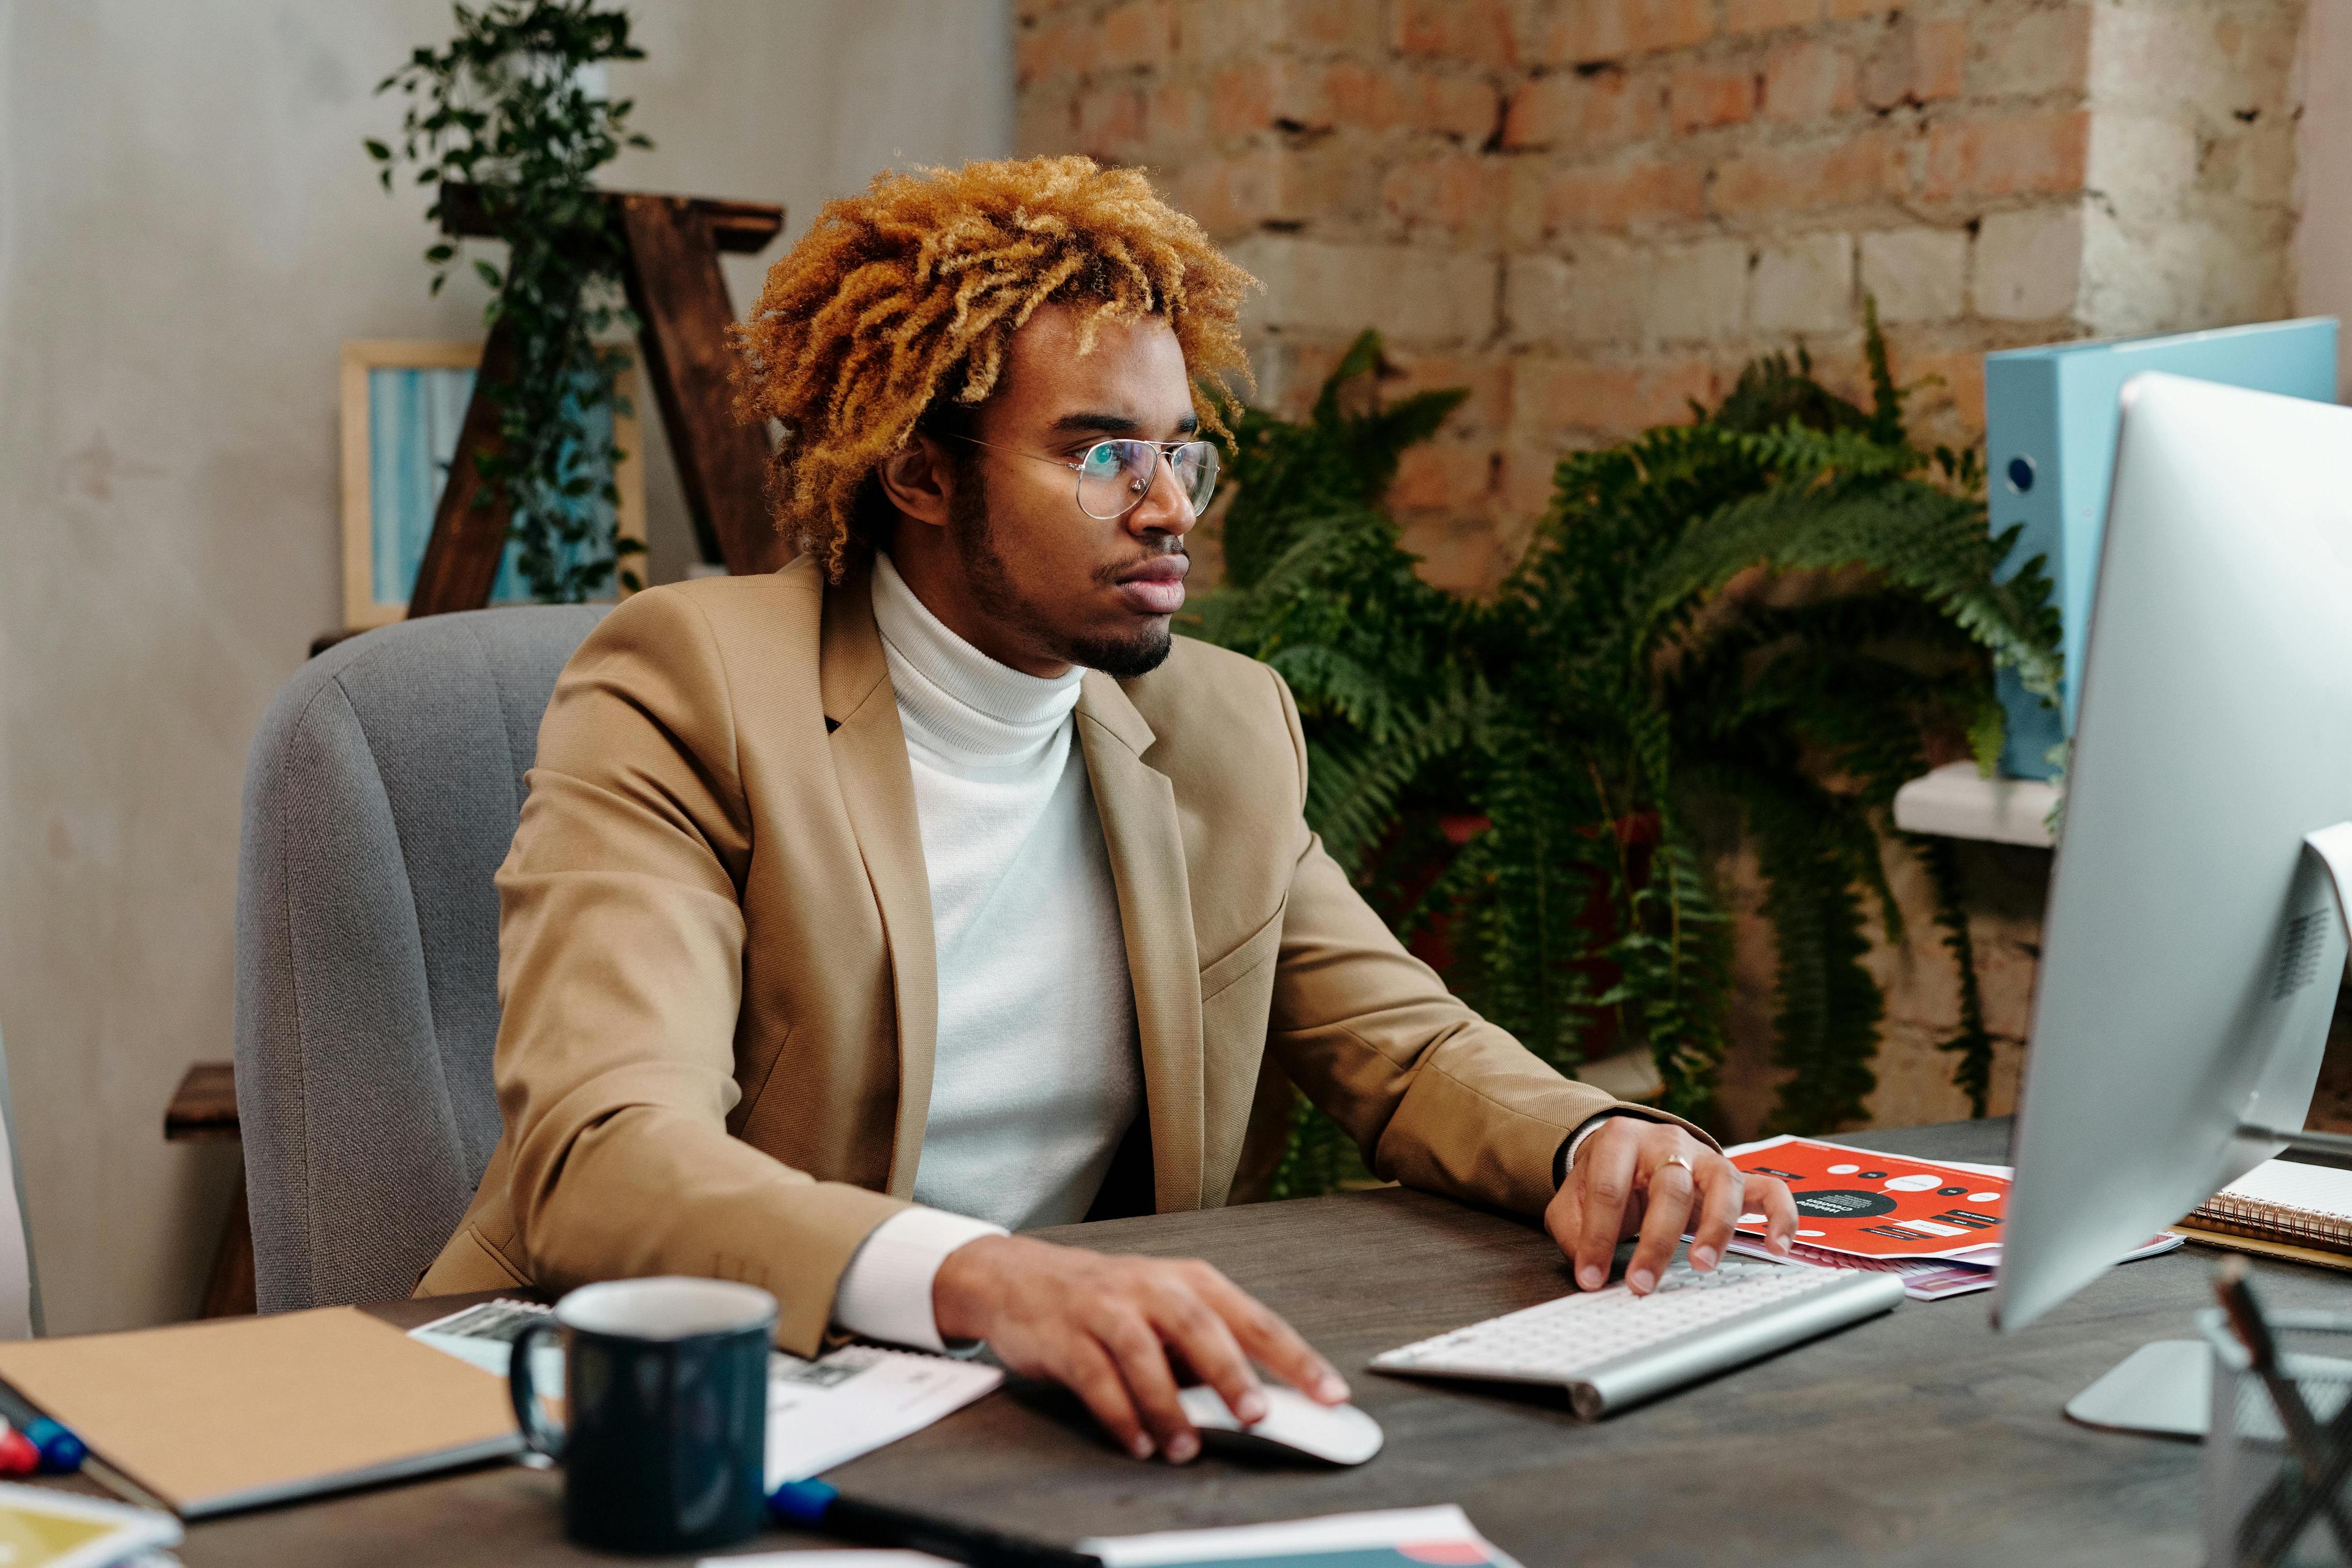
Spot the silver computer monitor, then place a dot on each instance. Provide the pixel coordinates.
(2195, 936)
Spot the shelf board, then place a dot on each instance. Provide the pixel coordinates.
(1957, 802)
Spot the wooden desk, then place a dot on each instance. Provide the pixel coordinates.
(1916, 1438)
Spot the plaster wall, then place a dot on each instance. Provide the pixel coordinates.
(188, 229)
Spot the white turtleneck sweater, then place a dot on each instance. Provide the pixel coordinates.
(1036, 1076)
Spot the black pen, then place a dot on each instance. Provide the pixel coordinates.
(819, 1505)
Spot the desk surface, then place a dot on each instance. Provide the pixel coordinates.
(1916, 1438)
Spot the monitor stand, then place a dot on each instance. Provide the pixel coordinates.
(2165, 1386)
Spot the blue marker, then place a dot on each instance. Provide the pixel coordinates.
(61, 1452)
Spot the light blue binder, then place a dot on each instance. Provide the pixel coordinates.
(2051, 416)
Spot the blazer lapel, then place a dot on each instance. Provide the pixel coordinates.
(1137, 807)
(878, 787)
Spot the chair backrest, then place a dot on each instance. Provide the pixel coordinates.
(380, 796)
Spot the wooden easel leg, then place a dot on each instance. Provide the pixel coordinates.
(461, 559)
(680, 298)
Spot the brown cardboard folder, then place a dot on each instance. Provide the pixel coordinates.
(234, 1412)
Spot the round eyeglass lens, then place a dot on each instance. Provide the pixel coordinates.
(1115, 475)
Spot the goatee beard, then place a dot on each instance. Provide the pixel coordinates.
(1121, 658)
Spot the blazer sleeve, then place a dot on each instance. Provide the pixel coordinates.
(1436, 1097)
(621, 963)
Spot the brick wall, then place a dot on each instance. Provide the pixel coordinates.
(1591, 212)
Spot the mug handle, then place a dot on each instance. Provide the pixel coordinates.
(539, 1433)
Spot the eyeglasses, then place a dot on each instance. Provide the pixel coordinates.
(1115, 475)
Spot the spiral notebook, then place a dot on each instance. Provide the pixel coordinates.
(2281, 1206)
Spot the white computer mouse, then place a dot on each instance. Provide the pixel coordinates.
(1295, 1426)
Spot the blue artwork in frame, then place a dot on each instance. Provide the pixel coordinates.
(404, 404)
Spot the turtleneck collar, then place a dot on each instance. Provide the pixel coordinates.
(954, 699)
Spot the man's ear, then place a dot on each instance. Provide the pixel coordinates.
(919, 482)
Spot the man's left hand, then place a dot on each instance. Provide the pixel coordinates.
(1651, 1178)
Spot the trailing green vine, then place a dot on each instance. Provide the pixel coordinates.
(1742, 629)
(511, 108)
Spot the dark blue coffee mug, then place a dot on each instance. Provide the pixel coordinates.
(663, 1442)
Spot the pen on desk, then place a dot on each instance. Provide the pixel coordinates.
(61, 1452)
(819, 1506)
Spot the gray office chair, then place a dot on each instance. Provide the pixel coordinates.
(380, 796)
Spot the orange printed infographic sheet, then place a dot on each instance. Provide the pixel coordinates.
(1880, 1205)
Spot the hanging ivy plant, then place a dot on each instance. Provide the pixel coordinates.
(1747, 628)
(514, 108)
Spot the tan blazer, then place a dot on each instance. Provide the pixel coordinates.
(716, 965)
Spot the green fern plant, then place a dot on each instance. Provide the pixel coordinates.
(1745, 627)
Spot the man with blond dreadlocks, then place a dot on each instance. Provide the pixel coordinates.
(928, 891)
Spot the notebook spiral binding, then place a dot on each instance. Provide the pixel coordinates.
(2273, 1222)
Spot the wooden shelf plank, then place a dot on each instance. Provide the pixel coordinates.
(203, 1107)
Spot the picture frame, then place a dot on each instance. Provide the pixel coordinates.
(404, 400)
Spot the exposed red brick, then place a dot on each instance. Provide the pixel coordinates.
(1601, 110)
(1941, 380)
(1587, 30)
(1138, 32)
(1647, 191)
(1860, 169)
(1175, 115)
(1461, 192)
(1353, 94)
(1055, 49)
(1487, 380)
(2023, 155)
(1807, 81)
(1476, 30)
(1300, 369)
(1453, 105)
(1110, 123)
(1233, 196)
(1241, 98)
(1443, 473)
(1331, 24)
(1457, 553)
(1763, 15)
(1940, 60)
(1611, 400)
(1526, 487)
(1699, 97)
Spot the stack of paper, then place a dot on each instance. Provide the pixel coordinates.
(1393, 1538)
(1937, 1224)
(821, 1413)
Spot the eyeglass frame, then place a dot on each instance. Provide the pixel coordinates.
(1166, 450)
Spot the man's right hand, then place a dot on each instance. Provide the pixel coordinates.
(1108, 1327)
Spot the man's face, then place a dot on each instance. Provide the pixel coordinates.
(1049, 584)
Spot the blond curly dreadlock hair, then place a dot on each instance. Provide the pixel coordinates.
(896, 308)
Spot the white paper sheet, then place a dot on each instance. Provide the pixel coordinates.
(827, 1412)
(2322, 1189)
(821, 1413)
(1422, 1528)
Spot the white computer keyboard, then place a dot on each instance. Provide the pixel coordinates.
(1611, 1348)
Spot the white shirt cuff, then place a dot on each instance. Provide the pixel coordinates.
(885, 1292)
(1576, 1139)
